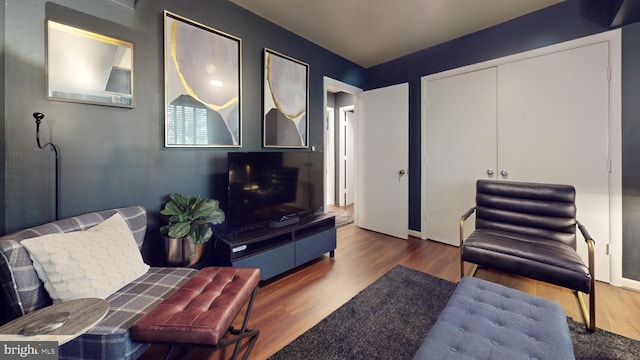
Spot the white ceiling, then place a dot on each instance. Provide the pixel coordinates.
(371, 32)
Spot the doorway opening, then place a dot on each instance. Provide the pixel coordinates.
(340, 157)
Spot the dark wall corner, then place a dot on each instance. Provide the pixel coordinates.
(3, 225)
(630, 151)
(624, 12)
(600, 12)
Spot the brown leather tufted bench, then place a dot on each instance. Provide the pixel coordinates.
(200, 313)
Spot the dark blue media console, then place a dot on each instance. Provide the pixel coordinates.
(277, 250)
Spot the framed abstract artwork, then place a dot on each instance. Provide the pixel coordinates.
(87, 67)
(203, 81)
(286, 100)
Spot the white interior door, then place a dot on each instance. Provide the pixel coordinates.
(553, 122)
(461, 146)
(382, 152)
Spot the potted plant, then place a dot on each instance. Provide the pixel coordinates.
(188, 218)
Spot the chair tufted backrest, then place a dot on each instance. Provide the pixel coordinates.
(531, 209)
(22, 290)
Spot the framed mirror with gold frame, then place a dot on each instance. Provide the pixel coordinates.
(87, 67)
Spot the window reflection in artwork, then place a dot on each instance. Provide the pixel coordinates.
(191, 123)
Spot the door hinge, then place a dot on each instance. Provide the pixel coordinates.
(610, 165)
(607, 249)
(609, 73)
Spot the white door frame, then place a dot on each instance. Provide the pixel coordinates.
(329, 83)
(615, 136)
(342, 160)
(329, 146)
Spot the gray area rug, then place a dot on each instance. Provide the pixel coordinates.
(342, 217)
(390, 319)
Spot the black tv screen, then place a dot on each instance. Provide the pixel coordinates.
(264, 186)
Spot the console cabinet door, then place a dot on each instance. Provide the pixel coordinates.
(313, 246)
(271, 262)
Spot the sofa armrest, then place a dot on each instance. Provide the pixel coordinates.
(22, 290)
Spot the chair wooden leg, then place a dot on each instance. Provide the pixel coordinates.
(589, 315)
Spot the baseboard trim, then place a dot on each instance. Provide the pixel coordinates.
(631, 284)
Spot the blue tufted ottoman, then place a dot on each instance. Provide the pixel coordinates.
(484, 320)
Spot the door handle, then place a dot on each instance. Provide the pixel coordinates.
(504, 172)
(490, 172)
(402, 172)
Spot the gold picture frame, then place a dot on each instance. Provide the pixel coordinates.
(87, 67)
(286, 101)
(203, 85)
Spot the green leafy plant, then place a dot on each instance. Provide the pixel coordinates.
(189, 217)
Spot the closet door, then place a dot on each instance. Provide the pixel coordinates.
(460, 148)
(553, 127)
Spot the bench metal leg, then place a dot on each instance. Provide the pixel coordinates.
(172, 347)
(168, 355)
(242, 333)
(238, 336)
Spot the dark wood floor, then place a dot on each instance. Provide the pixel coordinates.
(291, 304)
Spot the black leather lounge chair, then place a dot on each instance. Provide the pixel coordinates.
(529, 229)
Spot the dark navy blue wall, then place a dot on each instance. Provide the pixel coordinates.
(566, 21)
(113, 157)
(630, 152)
(2, 122)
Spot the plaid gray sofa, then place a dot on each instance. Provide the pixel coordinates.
(23, 292)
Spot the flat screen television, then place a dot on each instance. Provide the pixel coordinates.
(265, 186)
